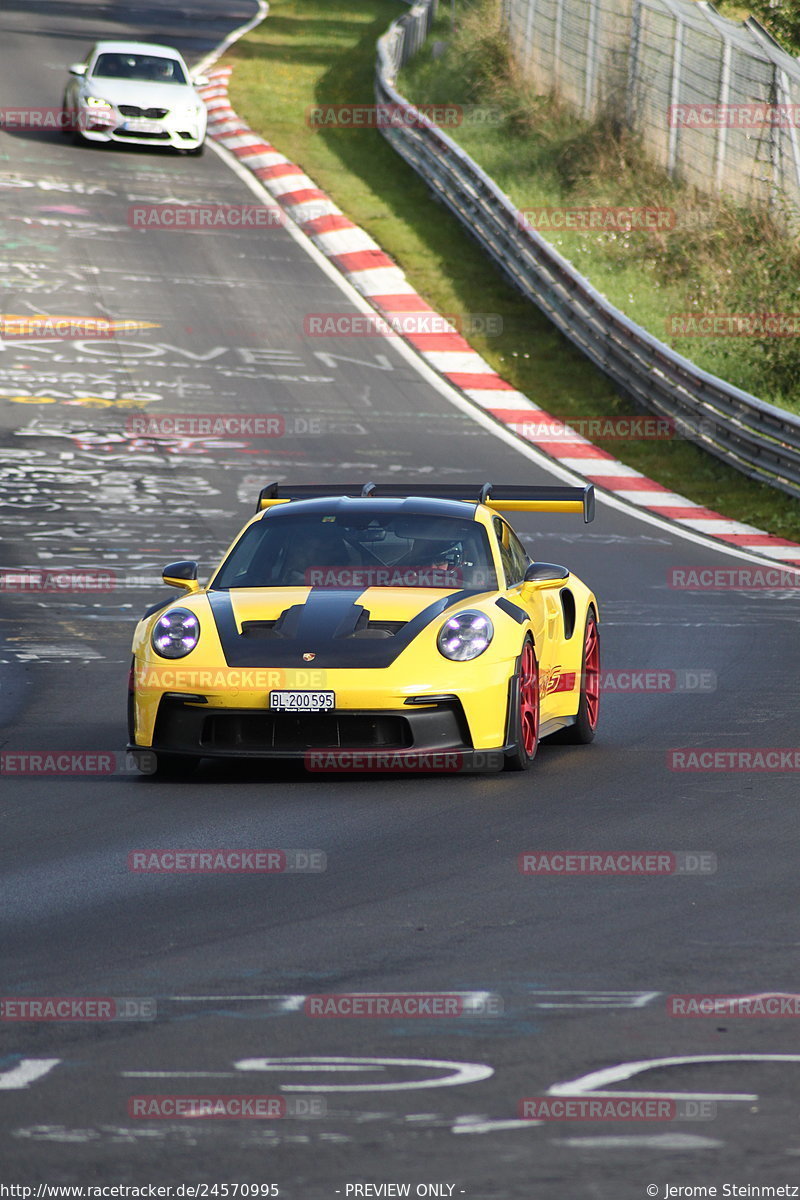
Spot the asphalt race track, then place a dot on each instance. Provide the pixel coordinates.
(421, 891)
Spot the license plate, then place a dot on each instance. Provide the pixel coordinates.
(303, 701)
(142, 127)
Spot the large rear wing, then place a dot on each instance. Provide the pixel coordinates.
(505, 497)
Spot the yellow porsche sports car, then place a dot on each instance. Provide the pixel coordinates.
(365, 628)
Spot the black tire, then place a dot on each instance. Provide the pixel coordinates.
(583, 731)
(66, 118)
(523, 711)
(72, 125)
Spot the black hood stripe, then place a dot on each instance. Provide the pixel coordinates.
(327, 618)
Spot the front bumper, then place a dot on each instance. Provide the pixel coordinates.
(431, 738)
(175, 134)
(185, 727)
(198, 710)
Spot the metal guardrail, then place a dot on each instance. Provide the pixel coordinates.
(757, 438)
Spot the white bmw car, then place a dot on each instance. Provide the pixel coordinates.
(135, 92)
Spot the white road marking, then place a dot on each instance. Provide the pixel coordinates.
(26, 1072)
(474, 1125)
(595, 1081)
(477, 1002)
(381, 362)
(285, 1003)
(658, 1141)
(31, 652)
(460, 1072)
(187, 1134)
(594, 999)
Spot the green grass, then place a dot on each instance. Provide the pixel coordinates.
(718, 258)
(310, 52)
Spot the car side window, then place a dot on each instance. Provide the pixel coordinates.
(519, 557)
(512, 553)
(505, 554)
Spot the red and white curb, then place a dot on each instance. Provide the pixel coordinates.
(378, 278)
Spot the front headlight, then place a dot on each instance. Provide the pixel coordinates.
(98, 102)
(465, 636)
(176, 633)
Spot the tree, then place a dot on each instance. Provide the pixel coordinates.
(781, 18)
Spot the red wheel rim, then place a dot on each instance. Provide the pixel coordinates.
(529, 699)
(591, 673)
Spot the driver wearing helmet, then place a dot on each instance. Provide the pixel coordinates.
(162, 70)
(443, 558)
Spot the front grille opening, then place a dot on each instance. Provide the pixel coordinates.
(149, 114)
(366, 628)
(159, 136)
(377, 629)
(191, 727)
(286, 626)
(258, 630)
(309, 731)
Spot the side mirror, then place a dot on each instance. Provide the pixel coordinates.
(181, 575)
(543, 572)
(78, 69)
(201, 81)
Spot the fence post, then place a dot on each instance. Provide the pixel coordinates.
(791, 110)
(557, 42)
(633, 64)
(528, 43)
(591, 59)
(722, 129)
(674, 94)
(774, 142)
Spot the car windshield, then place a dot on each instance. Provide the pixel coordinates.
(144, 68)
(388, 549)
